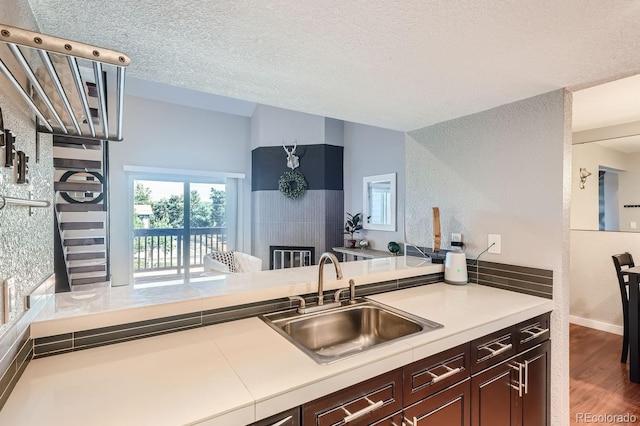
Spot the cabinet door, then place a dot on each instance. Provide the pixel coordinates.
(451, 407)
(533, 406)
(392, 420)
(493, 396)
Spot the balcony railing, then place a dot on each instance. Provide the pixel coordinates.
(162, 248)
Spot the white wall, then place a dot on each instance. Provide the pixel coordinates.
(372, 151)
(503, 171)
(595, 298)
(629, 193)
(595, 295)
(164, 135)
(584, 202)
(271, 125)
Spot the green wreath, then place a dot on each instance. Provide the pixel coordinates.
(292, 184)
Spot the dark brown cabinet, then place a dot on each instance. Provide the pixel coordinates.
(362, 404)
(501, 379)
(493, 401)
(450, 407)
(532, 408)
(516, 391)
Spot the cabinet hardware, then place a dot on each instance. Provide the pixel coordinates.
(283, 421)
(533, 332)
(408, 422)
(518, 367)
(449, 373)
(495, 352)
(526, 377)
(366, 410)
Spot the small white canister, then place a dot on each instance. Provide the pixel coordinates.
(455, 268)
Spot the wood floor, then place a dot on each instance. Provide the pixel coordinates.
(599, 381)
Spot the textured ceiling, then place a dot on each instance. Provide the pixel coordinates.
(397, 64)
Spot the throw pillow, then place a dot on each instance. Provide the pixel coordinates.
(227, 258)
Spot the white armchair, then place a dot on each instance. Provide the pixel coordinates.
(244, 263)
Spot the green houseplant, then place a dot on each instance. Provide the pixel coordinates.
(351, 226)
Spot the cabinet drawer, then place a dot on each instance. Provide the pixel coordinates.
(430, 375)
(378, 397)
(492, 348)
(451, 407)
(531, 332)
(288, 418)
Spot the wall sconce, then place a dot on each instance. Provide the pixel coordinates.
(584, 174)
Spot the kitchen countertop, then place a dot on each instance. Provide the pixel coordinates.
(238, 372)
(87, 309)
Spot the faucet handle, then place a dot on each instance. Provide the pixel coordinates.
(299, 299)
(336, 296)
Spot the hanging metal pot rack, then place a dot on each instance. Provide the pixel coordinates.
(64, 82)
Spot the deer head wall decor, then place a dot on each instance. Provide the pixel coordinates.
(293, 161)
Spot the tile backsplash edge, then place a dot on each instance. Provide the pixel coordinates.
(16, 345)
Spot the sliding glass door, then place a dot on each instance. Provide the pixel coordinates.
(175, 224)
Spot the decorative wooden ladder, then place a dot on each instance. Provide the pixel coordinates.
(81, 210)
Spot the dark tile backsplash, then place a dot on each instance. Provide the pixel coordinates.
(522, 279)
(13, 364)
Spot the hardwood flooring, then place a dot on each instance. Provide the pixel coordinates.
(599, 381)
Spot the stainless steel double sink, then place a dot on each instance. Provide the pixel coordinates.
(331, 335)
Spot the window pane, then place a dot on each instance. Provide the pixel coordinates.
(158, 234)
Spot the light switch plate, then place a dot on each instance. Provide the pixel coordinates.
(9, 297)
(456, 237)
(495, 239)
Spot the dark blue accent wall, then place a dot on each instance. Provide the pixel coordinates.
(321, 165)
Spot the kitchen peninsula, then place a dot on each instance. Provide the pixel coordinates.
(237, 372)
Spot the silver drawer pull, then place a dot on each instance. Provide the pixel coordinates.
(366, 410)
(525, 373)
(534, 332)
(520, 373)
(408, 422)
(496, 352)
(283, 421)
(449, 373)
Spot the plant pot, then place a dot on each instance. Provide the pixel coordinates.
(350, 243)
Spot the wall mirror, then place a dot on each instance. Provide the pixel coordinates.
(379, 200)
(605, 195)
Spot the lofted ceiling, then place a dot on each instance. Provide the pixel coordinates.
(399, 64)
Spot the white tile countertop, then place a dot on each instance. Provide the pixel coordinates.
(88, 309)
(237, 372)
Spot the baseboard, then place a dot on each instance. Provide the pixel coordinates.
(598, 325)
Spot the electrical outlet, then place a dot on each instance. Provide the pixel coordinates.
(494, 241)
(9, 296)
(456, 238)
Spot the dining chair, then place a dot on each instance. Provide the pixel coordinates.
(622, 262)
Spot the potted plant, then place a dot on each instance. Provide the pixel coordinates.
(351, 226)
